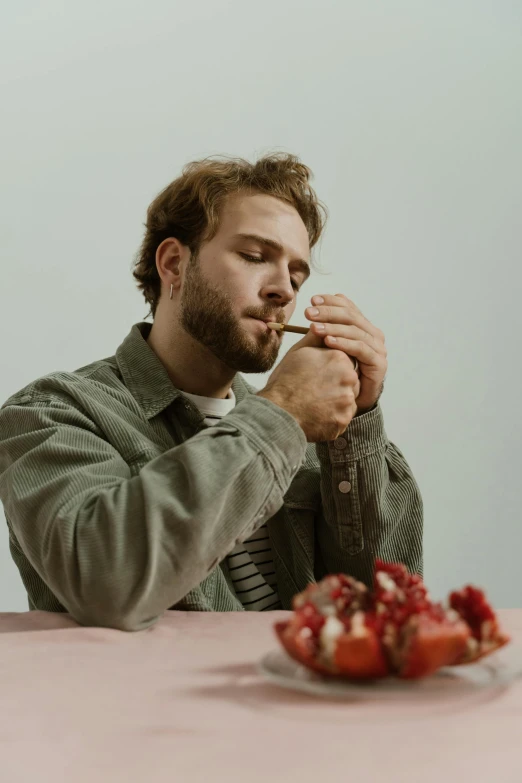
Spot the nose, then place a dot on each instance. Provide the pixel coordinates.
(278, 292)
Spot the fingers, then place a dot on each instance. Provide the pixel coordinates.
(350, 333)
(345, 373)
(341, 315)
(364, 353)
(339, 309)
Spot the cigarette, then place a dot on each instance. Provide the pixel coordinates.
(287, 328)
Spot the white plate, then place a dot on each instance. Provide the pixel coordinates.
(495, 671)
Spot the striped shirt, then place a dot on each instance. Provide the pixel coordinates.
(251, 563)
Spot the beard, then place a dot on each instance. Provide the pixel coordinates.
(207, 316)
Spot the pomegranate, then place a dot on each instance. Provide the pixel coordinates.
(340, 628)
(486, 636)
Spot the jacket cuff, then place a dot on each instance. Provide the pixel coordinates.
(364, 435)
(273, 431)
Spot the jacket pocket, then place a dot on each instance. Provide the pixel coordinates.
(305, 490)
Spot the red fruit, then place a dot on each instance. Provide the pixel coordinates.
(339, 628)
(419, 636)
(486, 636)
(427, 643)
(359, 652)
(300, 647)
(336, 596)
(340, 590)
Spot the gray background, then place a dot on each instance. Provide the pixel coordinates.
(410, 115)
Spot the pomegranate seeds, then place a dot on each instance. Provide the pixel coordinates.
(340, 628)
(486, 636)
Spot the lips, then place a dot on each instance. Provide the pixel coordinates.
(267, 320)
(270, 319)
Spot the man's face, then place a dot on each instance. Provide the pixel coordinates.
(249, 273)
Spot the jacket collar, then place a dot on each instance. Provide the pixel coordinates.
(147, 379)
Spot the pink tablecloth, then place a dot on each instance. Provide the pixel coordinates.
(182, 702)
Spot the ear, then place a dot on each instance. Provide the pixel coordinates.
(171, 259)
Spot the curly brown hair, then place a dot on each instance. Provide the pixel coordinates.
(189, 208)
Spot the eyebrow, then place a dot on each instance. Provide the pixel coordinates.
(300, 263)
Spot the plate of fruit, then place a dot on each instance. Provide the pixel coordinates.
(346, 640)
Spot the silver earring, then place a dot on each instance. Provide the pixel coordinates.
(171, 287)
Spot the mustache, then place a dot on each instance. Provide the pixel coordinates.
(267, 315)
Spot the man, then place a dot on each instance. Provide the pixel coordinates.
(158, 478)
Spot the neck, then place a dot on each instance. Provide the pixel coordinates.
(191, 366)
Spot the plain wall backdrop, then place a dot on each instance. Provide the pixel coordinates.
(410, 116)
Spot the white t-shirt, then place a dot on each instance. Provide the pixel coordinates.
(251, 564)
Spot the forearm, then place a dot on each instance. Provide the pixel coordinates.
(371, 504)
(118, 550)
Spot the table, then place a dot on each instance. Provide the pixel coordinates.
(182, 702)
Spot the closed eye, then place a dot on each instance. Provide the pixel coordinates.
(260, 260)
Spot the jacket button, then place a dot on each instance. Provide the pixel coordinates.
(340, 443)
(345, 487)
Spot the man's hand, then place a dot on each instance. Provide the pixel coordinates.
(344, 327)
(317, 387)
